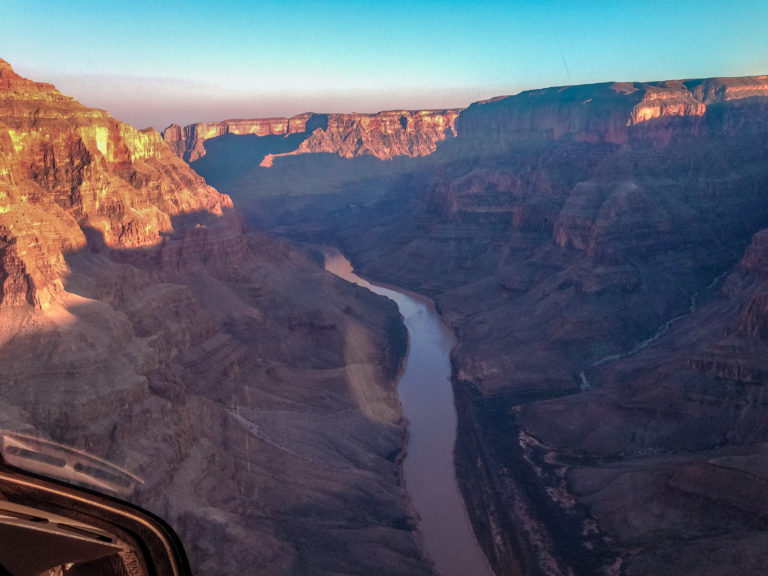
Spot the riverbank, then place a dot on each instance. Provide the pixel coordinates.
(428, 406)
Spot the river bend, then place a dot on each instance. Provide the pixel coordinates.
(427, 399)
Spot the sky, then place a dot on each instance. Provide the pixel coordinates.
(151, 63)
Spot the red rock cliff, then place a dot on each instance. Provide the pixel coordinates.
(384, 135)
(67, 170)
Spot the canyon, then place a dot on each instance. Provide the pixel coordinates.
(252, 392)
(599, 252)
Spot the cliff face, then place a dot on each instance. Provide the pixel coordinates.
(600, 253)
(617, 112)
(140, 323)
(188, 142)
(383, 135)
(66, 169)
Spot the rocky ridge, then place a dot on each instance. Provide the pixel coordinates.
(140, 322)
(67, 171)
(615, 112)
(383, 135)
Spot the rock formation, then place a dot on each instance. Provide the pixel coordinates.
(188, 142)
(616, 112)
(600, 253)
(383, 135)
(138, 321)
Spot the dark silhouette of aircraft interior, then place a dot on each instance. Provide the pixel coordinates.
(61, 514)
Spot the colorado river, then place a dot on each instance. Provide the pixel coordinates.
(427, 399)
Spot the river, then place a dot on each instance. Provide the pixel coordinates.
(427, 399)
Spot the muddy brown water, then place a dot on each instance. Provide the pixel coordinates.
(427, 399)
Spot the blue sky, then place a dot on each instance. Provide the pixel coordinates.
(153, 63)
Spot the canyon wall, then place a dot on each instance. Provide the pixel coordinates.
(188, 142)
(141, 323)
(383, 135)
(599, 252)
(616, 112)
(67, 171)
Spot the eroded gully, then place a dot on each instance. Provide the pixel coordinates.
(427, 399)
(584, 383)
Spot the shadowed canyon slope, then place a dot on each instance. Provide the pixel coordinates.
(252, 391)
(600, 252)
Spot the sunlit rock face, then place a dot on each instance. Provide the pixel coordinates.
(139, 322)
(66, 169)
(383, 135)
(188, 142)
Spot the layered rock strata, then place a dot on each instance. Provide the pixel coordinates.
(383, 135)
(253, 392)
(599, 252)
(616, 112)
